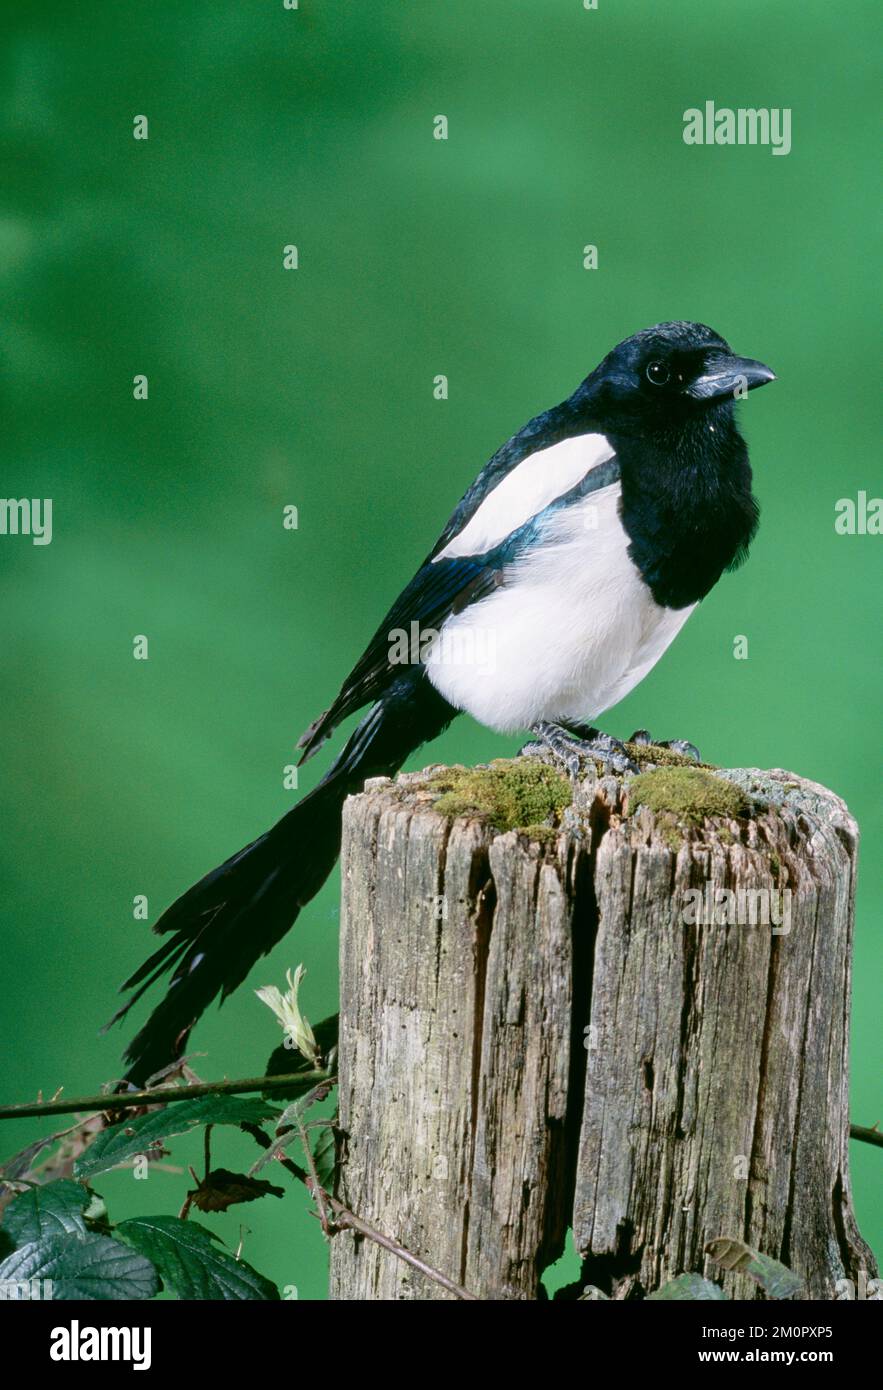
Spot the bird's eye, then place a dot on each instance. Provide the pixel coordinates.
(658, 373)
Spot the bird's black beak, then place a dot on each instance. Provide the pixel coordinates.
(726, 375)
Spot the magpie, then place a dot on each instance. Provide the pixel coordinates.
(563, 574)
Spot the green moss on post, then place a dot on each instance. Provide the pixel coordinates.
(657, 756)
(522, 795)
(691, 793)
(475, 968)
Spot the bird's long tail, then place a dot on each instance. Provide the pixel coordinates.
(219, 928)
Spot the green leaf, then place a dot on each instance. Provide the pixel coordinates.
(189, 1259)
(774, 1278)
(52, 1210)
(293, 1114)
(324, 1151)
(94, 1267)
(689, 1286)
(123, 1141)
(290, 1127)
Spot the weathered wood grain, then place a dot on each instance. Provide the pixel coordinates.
(534, 1037)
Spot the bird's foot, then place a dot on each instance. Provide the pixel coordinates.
(571, 745)
(677, 745)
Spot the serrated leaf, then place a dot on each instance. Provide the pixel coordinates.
(94, 1267)
(294, 1113)
(191, 1260)
(774, 1278)
(123, 1141)
(689, 1286)
(290, 1125)
(53, 1210)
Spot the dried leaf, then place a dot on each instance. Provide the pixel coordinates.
(223, 1189)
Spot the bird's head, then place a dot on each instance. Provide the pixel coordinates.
(664, 376)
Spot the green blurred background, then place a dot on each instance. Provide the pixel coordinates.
(314, 387)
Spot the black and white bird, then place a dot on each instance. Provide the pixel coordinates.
(563, 574)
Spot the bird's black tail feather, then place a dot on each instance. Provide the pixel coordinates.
(219, 928)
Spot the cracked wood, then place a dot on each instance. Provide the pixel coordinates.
(534, 1038)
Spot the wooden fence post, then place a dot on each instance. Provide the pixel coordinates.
(579, 1028)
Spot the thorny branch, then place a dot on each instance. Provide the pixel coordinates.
(344, 1219)
(159, 1095)
(870, 1135)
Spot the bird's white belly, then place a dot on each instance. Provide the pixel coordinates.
(572, 629)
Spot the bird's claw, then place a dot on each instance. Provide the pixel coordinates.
(570, 749)
(676, 745)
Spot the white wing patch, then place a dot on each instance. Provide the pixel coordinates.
(524, 492)
(571, 630)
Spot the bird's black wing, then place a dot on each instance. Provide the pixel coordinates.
(442, 586)
(437, 590)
